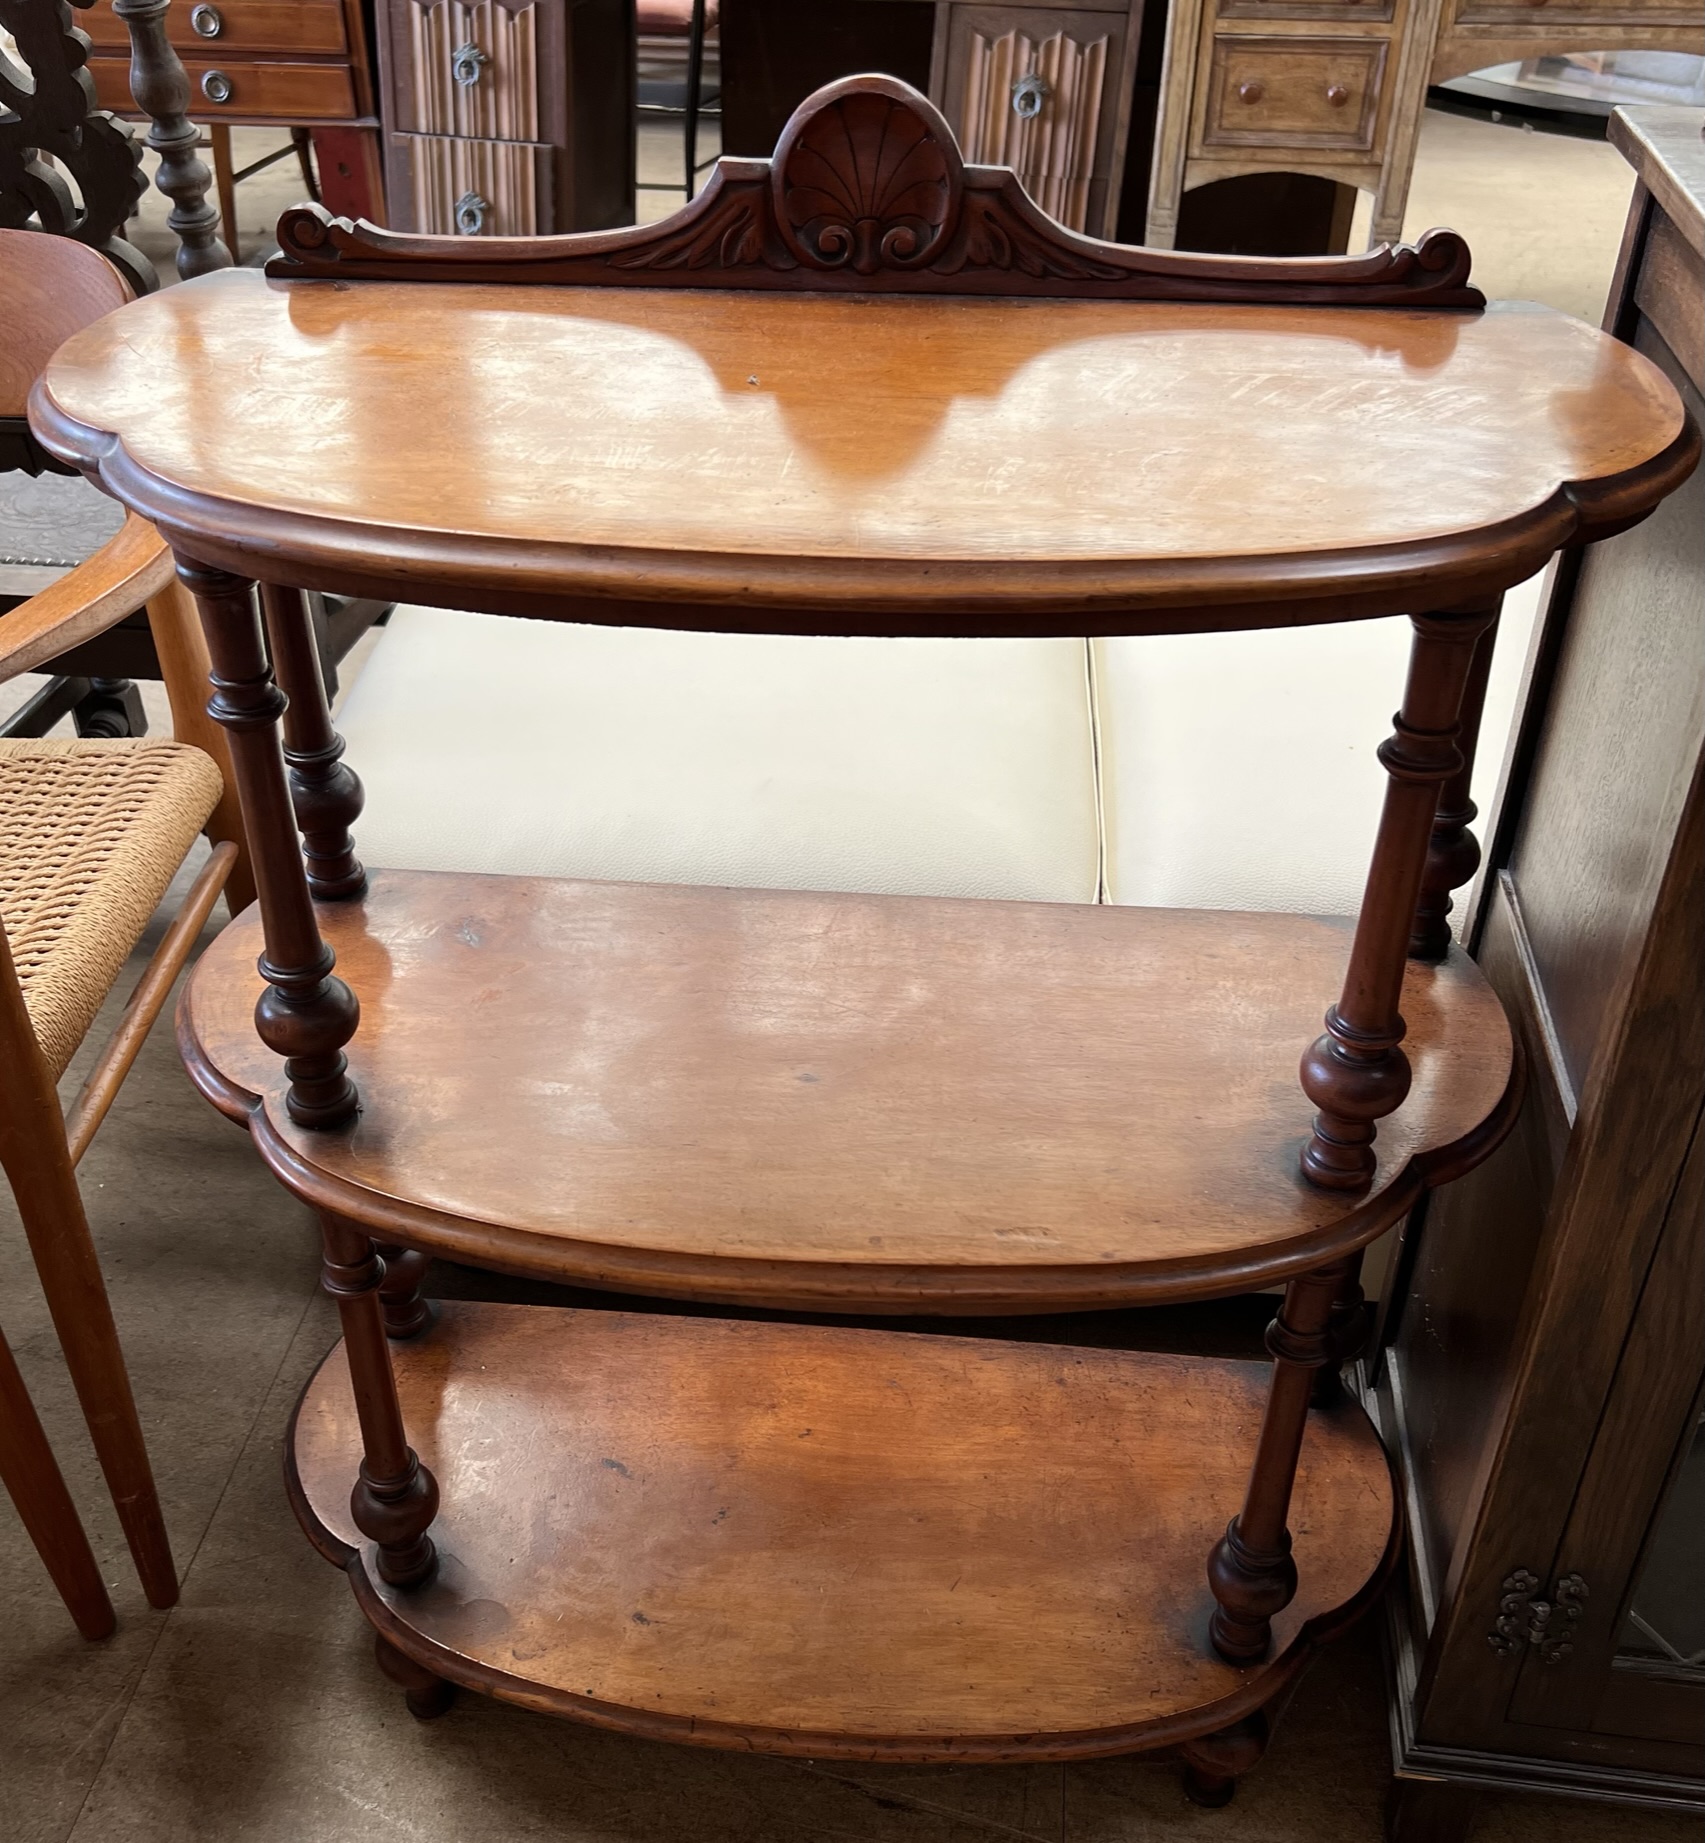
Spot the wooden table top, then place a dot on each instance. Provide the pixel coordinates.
(841, 1102)
(915, 464)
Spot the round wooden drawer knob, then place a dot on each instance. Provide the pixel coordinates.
(216, 86)
(1250, 92)
(1337, 95)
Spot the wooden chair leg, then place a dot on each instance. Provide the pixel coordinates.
(181, 648)
(395, 1497)
(225, 183)
(36, 1487)
(1250, 1570)
(37, 1159)
(428, 1696)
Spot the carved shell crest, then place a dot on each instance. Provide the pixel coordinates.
(867, 181)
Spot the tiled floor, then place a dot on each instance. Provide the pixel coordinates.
(253, 1711)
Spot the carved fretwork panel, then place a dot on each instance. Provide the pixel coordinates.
(1035, 105)
(476, 70)
(868, 193)
(49, 127)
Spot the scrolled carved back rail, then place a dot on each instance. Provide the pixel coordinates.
(867, 192)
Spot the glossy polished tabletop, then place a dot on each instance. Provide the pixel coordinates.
(824, 449)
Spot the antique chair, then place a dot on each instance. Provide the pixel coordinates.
(50, 128)
(92, 833)
(695, 21)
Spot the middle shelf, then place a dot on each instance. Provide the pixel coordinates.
(859, 1102)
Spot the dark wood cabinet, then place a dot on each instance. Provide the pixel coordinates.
(1540, 1377)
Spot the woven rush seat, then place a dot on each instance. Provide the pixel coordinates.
(91, 835)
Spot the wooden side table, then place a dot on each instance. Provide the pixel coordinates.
(861, 389)
(1337, 87)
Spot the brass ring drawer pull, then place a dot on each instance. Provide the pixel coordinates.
(466, 63)
(205, 22)
(216, 86)
(1251, 92)
(1337, 95)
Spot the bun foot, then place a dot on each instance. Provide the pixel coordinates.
(1214, 1763)
(427, 1695)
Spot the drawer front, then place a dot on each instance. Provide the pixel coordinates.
(478, 188)
(1540, 13)
(475, 69)
(1294, 92)
(241, 92)
(208, 28)
(1379, 11)
(1036, 94)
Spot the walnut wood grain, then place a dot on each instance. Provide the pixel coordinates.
(897, 466)
(905, 1102)
(842, 1544)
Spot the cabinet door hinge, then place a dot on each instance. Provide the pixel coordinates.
(1545, 1626)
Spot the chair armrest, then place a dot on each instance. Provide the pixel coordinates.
(129, 568)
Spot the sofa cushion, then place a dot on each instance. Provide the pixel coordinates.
(1238, 770)
(944, 767)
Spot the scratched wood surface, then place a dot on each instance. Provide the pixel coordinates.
(691, 1526)
(645, 443)
(760, 1092)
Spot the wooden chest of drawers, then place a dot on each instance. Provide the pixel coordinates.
(251, 61)
(508, 118)
(1336, 87)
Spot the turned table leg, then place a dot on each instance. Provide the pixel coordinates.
(407, 1314)
(395, 1497)
(1346, 1334)
(324, 790)
(306, 1014)
(1357, 1073)
(1250, 1570)
(1453, 855)
(1214, 1763)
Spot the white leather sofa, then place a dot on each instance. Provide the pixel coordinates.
(1208, 771)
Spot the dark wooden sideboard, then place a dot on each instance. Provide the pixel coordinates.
(1541, 1377)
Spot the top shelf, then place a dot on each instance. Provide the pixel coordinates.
(840, 1102)
(862, 464)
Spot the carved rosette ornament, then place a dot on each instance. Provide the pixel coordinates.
(868, 193)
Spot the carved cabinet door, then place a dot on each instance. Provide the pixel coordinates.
(1045, 90)
(1620, 1650)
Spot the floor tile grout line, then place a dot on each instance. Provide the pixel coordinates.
(186, 1568)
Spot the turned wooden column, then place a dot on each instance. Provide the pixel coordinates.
(395, 1497)
(1346, 1333)
(1356, 1073)
(159, 85)
(1250, 1570)
(1453, 855)
(306, 1013)
(324, 790)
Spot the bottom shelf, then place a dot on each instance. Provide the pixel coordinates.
(839, 1543)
